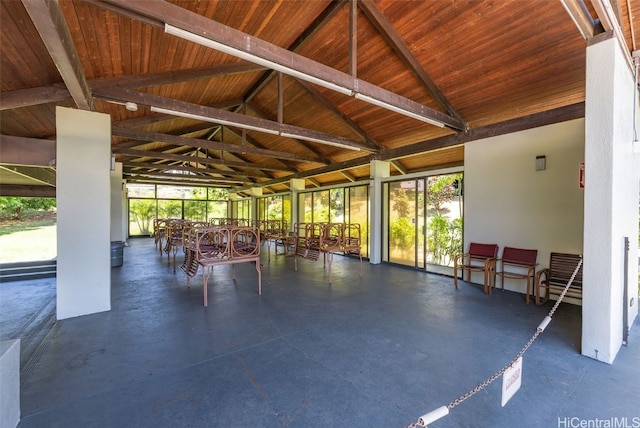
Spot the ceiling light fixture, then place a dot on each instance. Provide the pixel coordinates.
(253, 128)
(396, 109)
(214, 120)
(318, 140)
(187, 35)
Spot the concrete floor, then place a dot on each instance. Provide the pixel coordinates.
(373, 351)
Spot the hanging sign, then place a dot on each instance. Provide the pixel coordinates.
(511, 381)
(581, 176)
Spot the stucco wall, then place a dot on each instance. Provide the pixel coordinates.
(509, 203)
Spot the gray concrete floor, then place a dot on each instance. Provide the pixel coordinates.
(373, 351)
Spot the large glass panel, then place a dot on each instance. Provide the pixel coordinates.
(336, 206)
(141, 215)
(273, 208)
(420, 224)
(444, 221)
(141, 190)
(358, 210)
(195, 210)
(286, 208)
(217, 209)
(402, 222)
(169, 209)
(306, 207)
(321, 206)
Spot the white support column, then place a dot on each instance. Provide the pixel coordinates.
(83, 193)
(379, 170)
(610, 200)
(296, 186)
(117, 189)
(256, 192)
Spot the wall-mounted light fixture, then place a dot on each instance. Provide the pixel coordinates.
(541, 163)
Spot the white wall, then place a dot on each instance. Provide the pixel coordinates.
(611, 200)
(508, 202)
(83, 190)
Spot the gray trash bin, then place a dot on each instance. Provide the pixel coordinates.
(116, 253)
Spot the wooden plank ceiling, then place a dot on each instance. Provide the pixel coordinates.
(186, 110)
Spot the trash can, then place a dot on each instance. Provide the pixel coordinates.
(116, 253)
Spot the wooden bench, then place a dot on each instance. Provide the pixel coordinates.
(554, 279)
(479, 258)
(221, 245)
(517, 263)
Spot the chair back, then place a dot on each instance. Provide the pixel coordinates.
(519, 256)
(483, 251)
(561, 267)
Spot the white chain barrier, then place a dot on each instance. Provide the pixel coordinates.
(440, 412)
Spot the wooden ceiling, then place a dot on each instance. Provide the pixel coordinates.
(481, 68)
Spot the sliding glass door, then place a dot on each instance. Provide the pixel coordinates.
(424, 222)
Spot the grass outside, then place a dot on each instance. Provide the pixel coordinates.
(31, 238)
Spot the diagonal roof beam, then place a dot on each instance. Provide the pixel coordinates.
(168, 166)
(205, 161)
(329, 12)
(205, 113)
(580, 15)
(190, 25)
(27, 151)
(329, 105)
(49, 21)
(207, 144)
(402, 50)
(562, 114)
(170, 77)
(33, 96)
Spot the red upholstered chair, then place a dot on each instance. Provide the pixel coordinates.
(517, 263)
(479, 258)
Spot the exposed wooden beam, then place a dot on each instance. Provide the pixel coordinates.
(21, 190)
(171, 77)
(353, 38)
(213, 114)
(167, 166)
(49, 22)
(174, 182)
(562, 114)
(348, 176)
(329, 105)
(207, 144)
(173, 178)
(329, 12)
(581, 17)
(303, 143)
(397, 165)
(336, 167)
(32, 96)
(208, 29)
(43, 175)
(392, 38)
(27, 151)
(201, 160)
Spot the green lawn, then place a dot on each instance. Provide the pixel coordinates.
(29, 242)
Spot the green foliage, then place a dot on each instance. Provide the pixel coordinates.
(402, 233)
(143, 211)
(14, 206)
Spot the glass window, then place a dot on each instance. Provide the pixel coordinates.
(141, 190)
(141, 215)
